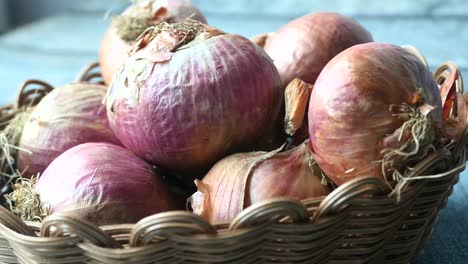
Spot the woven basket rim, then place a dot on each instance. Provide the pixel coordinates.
(364, 189)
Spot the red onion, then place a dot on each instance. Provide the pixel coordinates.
(302, 47)
(66, 117)
(104, 184)
(125, 29)
(190, 94)
(243, 179)
(369, 106)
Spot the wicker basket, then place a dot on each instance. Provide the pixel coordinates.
(362, 221)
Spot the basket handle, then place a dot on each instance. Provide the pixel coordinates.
(163, 225)
(450, 80)
(271, 211)
(59, 225)
(340, 198)
(90, 73)
(27, 97)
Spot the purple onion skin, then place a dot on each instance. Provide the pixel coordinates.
(305, 45)
(211, 99)
(104, 184)
(181, 9)
(66, 117)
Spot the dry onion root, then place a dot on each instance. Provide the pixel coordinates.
(9, 141)
(410, 143)
(24, 201)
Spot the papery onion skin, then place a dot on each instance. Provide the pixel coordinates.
(114, 50)
(186, 109)
(243, 179)
(349, 110)
(66, 117)
(301, 48)
(104, 184)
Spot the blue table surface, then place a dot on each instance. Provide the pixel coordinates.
(54, 49)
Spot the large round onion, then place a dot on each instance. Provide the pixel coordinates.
(243, 179)
(103, 183)
(301, 48)
(190, 94)
(126, 28)
(66, 117)
(363, 108)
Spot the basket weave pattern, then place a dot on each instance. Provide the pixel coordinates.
(362, 221)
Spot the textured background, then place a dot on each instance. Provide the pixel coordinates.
(55, 47)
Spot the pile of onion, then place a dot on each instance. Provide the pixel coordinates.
(243, 179)
(302, 47)
(191, 94)
(125, 29)
(375, 110)
(102, 183)
(66, 117)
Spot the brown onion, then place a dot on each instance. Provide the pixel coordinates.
(104, 184)
(375, 110)
(126, 28)
(66, 117)
(243, 179)
(301, 48)
(191, 94)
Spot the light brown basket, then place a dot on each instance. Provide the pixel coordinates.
(362, 221)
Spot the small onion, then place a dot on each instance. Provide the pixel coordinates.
(301, 48)
(126, 28)
(243, 179)
(191, 94)
(66, 117)
(104, 184)
(375, 110)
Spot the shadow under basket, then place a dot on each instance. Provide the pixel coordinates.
(362, 221)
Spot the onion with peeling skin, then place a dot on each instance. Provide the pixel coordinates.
(66, 117)
(126, 28)
(191, 94)
(103, 183)
(374, 110)
(301, 48)
(243, 179)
